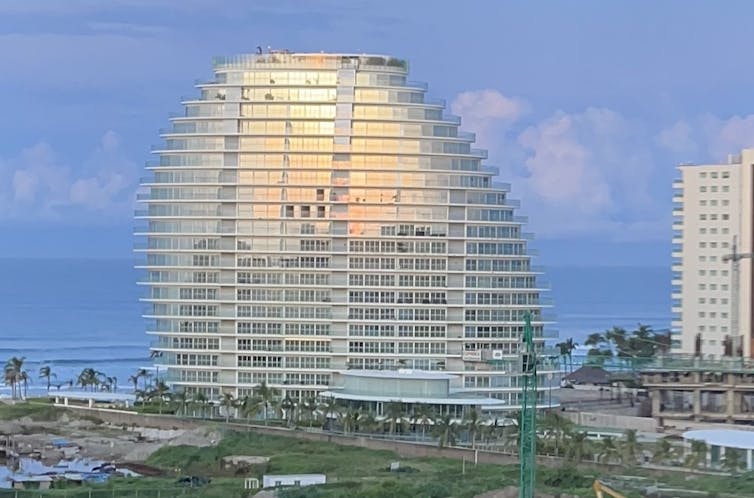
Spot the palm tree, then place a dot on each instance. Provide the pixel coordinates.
(608, 452)
(251, 406)
(86, 378)
(563, 350)
(473, 425)
(23, 377)
(663, 451)
(12, 374)
(557, 429)
(142, 373)
(630, 447)
(394, 415)
(267, 396)
(570, 347)
(200, 399)
(161, 391)
(309, 407)
(46, 373)
(9, 378)
(183, 400)
(577, 445)
(349, 418)
(698, 455)
(330, 410)
(423, 416)
(288, 406)
(445, 430)
(134, 379)
(732, 461)
(113, 383)
(228, 402)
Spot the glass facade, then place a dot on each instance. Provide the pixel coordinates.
(311, 213)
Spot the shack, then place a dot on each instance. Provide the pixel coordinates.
(276, 481)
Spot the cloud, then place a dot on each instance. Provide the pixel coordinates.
(588, 172)
(707, 138)
(488, 113)
(42, 188)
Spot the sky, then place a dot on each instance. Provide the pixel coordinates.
(586, 107)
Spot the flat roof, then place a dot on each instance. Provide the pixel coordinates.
(402, 373)
(94, 395)
(729, 438)
(483, 402)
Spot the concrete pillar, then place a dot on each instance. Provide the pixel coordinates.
(696, 402)
(730, 404)
(749, 462)
(65, 401)
(91, 403)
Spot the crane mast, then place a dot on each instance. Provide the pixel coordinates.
(735, 257)
(528, 430)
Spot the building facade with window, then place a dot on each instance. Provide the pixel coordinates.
(314, 213)
(712, 294)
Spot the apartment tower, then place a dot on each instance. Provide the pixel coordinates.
(313, 213)
(712, 290)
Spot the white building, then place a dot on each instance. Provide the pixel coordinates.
(276, 481)
(712, 209)
(312, 213)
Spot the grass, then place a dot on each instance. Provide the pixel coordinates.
(351, 471)
(38, 409)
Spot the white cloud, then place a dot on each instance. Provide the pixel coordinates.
(488, 113)
(708, 138)
(587, 172)
(40, 187)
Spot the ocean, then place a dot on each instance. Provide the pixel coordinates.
(76, 314)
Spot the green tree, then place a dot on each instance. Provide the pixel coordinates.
(309, 409)
(445, 430)
(697, 455)
(473, 425)
(12, 374)
(267, 396)
(608, 452)
(182, 401)
(251, 406)
(394, 415)
(161, 391)
(199, 399)
(663, 451)
(228, 403)
(330, 411)
(288, 406)
(24, 379)
(630, 447)
(134, 379)
(733, 460)
(423, 417)
(577, 446)
(46, 373)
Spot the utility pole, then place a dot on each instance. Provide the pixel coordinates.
(528, 428)
(735, 257)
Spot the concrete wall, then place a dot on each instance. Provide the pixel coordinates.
(610, 421)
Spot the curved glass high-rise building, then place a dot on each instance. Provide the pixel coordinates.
(311, 213)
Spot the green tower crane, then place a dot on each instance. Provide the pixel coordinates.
(528, 427)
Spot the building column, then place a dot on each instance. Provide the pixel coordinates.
(696, 403)
(730, 405)
(749, 462)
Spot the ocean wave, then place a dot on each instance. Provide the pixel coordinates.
(47, 347)
(90, 361)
